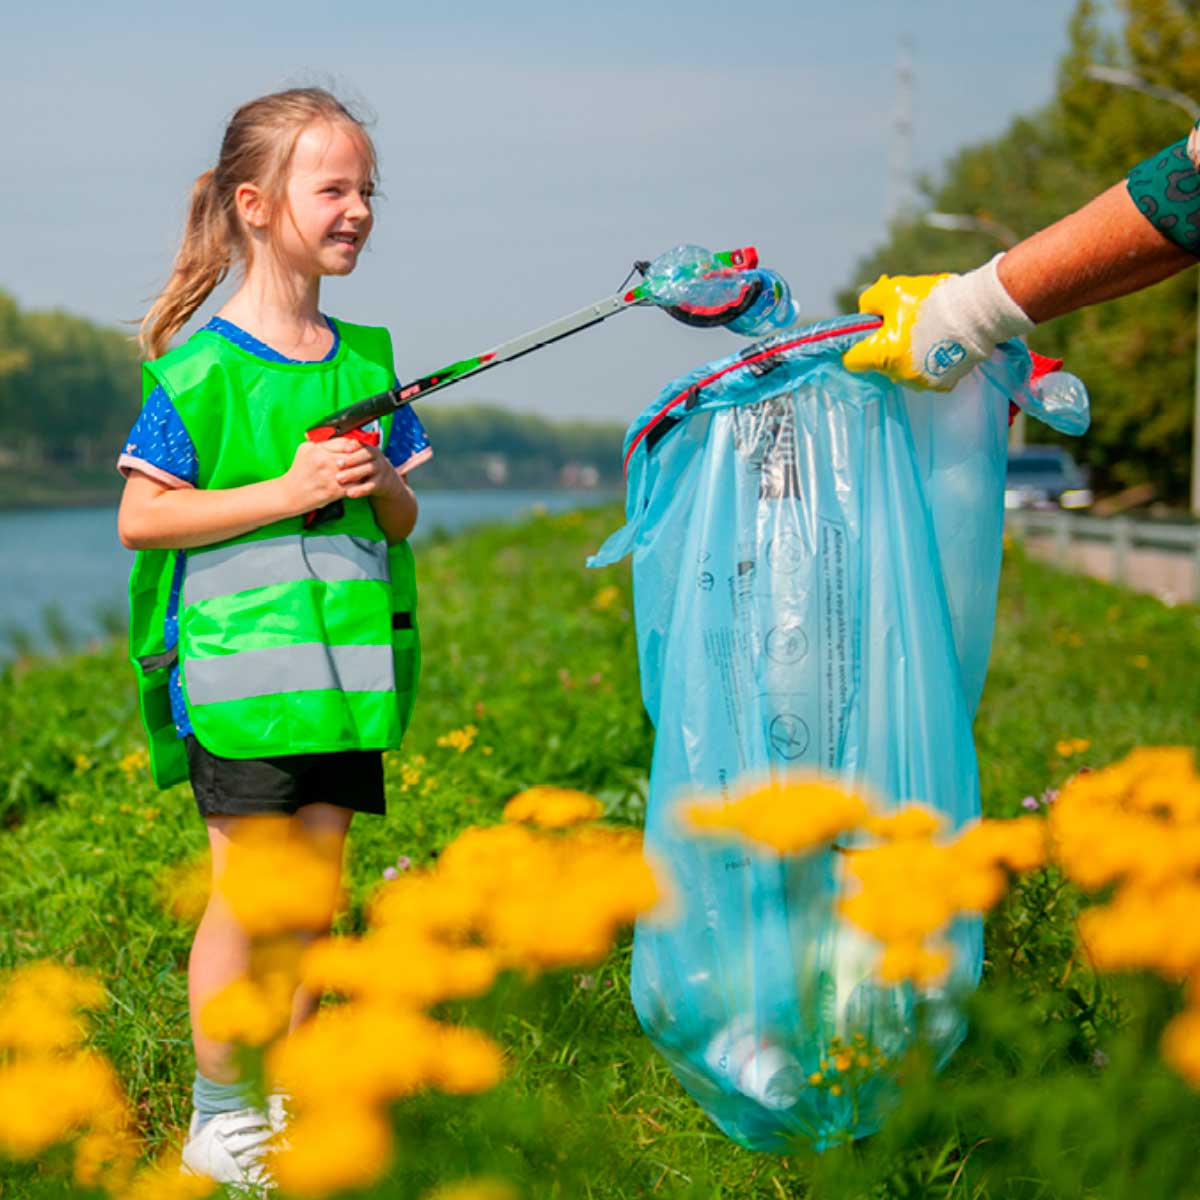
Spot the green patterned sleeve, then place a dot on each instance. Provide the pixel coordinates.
(1166, 189)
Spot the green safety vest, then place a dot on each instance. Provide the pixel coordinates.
(291, 641)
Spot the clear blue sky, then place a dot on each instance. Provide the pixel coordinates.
(529, 151)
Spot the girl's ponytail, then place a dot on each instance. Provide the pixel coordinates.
(257, 148)
(203, 261)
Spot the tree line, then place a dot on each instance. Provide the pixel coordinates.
(69, 392)
(1137, 354)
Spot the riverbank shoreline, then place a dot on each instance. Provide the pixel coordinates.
(46, 500)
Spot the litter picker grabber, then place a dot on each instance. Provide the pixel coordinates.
(717, 291)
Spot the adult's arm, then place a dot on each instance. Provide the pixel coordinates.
(1106, 249)
(937, 327)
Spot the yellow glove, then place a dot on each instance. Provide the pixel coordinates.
(936, 328)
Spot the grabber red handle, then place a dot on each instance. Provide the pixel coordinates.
(335, 509)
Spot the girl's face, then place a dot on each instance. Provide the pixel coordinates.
(327, 213)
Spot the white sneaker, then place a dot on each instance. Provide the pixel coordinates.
(229, 1147)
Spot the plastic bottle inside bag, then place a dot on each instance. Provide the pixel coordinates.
(755, 1065)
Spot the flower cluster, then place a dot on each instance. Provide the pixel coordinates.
(1134, 828)
(1130, 831)
(136, 763)
(509, 897)
(846, 1065)
(52, 1088)
(1070, 747)
(459, 739)
(279, 880)
(552, 808)
(790, 815)
(55, 1090)
(965, 874)
(908, 882)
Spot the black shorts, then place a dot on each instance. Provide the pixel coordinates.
(282, 784)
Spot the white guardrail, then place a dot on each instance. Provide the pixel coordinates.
(1136, 549)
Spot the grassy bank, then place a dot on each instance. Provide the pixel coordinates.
(530, 677)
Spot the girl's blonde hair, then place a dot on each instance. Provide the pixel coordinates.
(257, 148)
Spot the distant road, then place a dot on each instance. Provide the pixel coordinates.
(1110, 550)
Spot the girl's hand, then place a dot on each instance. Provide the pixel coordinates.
(311, 481)
(364, 471)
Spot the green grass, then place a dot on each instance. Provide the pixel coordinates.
(516, 646)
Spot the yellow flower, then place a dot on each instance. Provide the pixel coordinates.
(475, 1189)
(1069, 747)
(790, 815)
(357, 1054)
(911, 821)
(465, 1062)
(1018, 844)
(606, 597)
(185, 888)
(250, 1011)
(553, 808)
(104, 1158)
(459, 739)
(39, 1009)
(1180, 1046)
(278, 879)
(163, 1180)
(902, 961)
(340, 1146)
(45, 1099)
(399, 965)
(134, 763)
(1138, 820)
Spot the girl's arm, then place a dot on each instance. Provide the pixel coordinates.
(395, 507)
(154, 516)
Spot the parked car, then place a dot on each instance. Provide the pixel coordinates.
(1045, 477)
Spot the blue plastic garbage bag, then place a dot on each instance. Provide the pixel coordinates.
(815, 562)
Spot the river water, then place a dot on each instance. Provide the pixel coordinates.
(63, 572)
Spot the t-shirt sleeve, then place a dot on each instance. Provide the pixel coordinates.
(1166, 189)
(408, 443)
(159, 445)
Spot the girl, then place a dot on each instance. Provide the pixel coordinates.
(275, 660)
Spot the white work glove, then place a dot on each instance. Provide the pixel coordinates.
(936, 328)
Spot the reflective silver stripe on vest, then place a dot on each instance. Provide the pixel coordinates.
(306, 668)
(247, 565)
